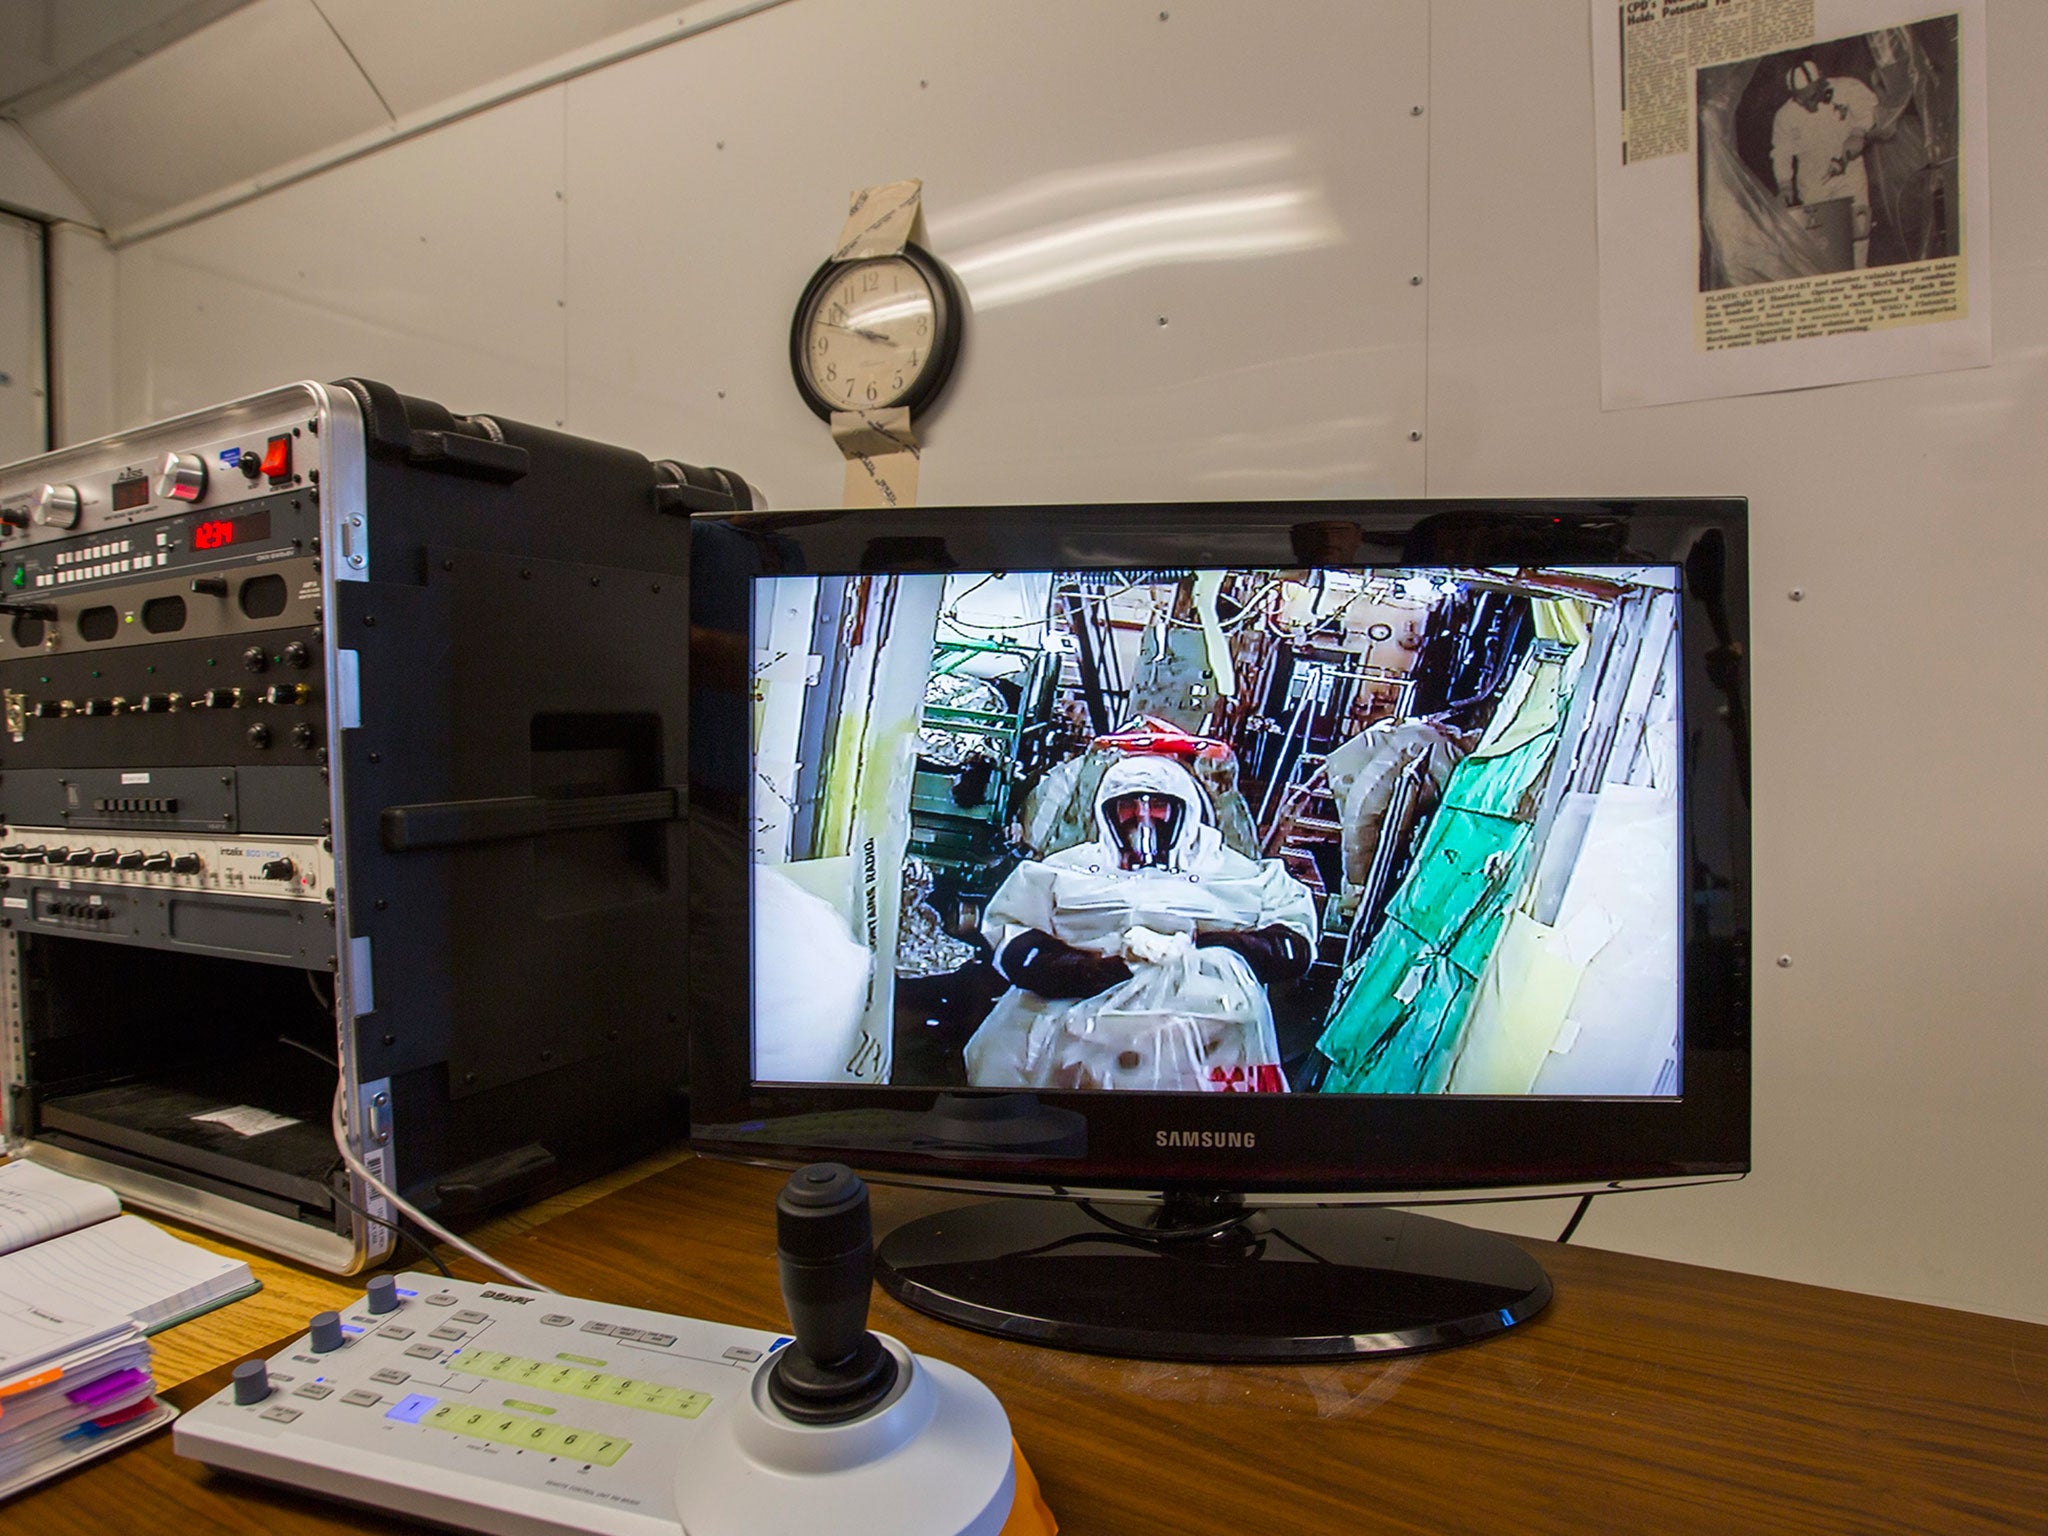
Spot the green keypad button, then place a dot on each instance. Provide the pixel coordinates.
(574, 1381)
(516, 1429)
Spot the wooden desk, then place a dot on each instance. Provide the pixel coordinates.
(1650, 1397)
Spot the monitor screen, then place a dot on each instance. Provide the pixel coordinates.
(1311, 847)
(1409, 829)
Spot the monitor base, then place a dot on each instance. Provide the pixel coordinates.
(1283, 1283)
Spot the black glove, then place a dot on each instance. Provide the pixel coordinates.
(1275, 952)
(1038, 962)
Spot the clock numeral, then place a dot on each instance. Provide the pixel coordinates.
(874, 394)
(870, 281)
(836, 315)
(898, 385)
(821, 343)
(832, 374)
(924, 324)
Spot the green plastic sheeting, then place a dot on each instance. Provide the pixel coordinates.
(1402, 1015)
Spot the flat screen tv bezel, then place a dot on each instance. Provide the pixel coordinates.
(1338, 1145)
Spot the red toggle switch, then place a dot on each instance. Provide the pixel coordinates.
(277, 458)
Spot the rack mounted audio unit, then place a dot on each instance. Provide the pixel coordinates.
(343, 743)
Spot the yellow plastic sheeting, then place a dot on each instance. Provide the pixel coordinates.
(1520, 1007)
(1534, 703)
(1562, 619)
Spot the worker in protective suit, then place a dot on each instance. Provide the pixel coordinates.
(1141, 959)
(1817, 144)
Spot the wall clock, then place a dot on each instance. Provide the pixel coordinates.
(875, 332)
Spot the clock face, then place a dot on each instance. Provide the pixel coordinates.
(874, 333)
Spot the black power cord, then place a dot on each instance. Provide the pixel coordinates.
(1195, 1232)
(1577, 1216)
(401, 1233)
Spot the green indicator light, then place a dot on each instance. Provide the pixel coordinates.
(209, 661)
(21, 575)
(580, 1359)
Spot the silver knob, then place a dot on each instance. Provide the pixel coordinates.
(181, 478)
(58, 506)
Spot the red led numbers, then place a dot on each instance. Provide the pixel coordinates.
(217, 534)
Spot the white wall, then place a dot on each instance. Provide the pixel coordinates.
(23, 399)
(621, 253)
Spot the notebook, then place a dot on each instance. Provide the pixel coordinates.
(74, 1384)
(66, 1249)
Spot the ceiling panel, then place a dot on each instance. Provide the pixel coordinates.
(418, 54)
(251, 92)
(56, 46)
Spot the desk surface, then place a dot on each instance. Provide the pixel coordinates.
(1648, 1397)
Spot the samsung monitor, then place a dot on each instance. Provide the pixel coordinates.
(1239, 875)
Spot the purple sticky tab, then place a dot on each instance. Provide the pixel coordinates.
(108, 1387)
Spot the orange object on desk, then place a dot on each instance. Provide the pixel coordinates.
(1028, 1513)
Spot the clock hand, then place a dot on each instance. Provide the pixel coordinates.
(855, 330)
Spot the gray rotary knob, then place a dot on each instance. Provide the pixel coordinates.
(383, 1293)
(326, 1331)
(252, 1382)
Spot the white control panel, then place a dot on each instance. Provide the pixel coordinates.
(487, 1408)
(88, 860)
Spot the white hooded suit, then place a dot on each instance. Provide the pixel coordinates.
(1190, 1017)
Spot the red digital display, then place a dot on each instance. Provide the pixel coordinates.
(220, 532)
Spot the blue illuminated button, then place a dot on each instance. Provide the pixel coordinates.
(411, 1408)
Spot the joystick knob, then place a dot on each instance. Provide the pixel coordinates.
(252, 1382)
(835, 1370)
(383, 1294)
(326, 1330)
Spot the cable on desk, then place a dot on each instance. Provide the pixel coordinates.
(1577, 1216)
(403, 1234)
(405, 1207)
(339, 1124)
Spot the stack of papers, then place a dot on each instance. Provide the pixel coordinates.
(81, 1285)
(65, 1247)
(71, 1387)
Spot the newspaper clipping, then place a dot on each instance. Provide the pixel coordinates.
(1786, 193)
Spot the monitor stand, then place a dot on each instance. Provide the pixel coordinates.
(1204, 1277)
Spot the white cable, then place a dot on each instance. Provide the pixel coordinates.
(355, 1166)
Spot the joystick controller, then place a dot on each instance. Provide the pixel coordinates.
(482, 1408)
(835, 1370)
(856, 1433)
